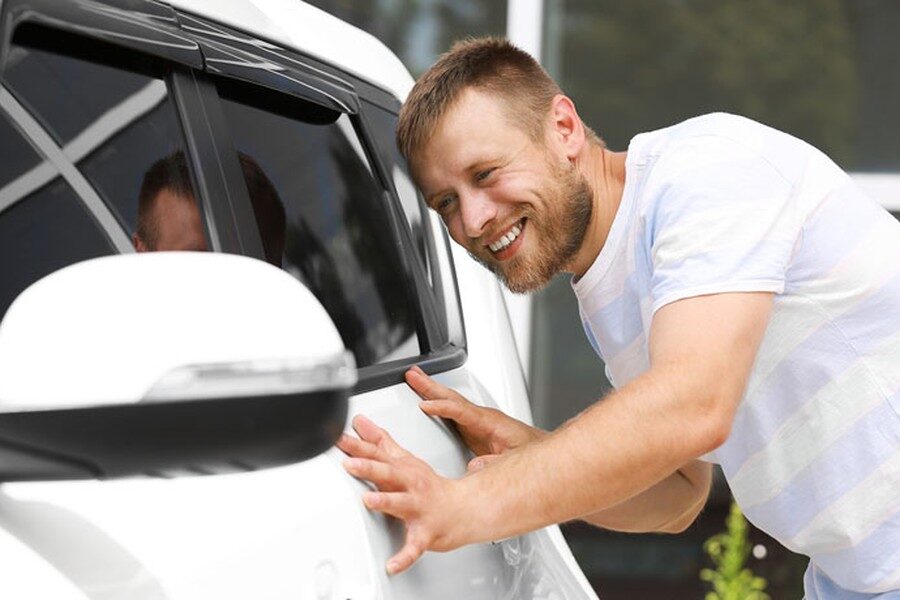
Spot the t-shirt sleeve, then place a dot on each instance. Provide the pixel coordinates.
(722, 220)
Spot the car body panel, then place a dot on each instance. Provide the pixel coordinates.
(312, 31)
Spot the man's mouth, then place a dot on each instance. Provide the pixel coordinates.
(504, 247)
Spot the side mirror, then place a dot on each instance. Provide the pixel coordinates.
(167, 364)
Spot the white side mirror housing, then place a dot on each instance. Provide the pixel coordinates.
(167, 363)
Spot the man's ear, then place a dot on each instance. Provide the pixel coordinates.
(139, 244)
(567, 130)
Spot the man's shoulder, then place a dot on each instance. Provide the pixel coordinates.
(718, 142)
(713, 128)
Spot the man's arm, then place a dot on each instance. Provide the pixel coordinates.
(701, 353)
(670, 506)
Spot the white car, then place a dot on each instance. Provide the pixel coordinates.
(167, 420)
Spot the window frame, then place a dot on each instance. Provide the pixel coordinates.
(441, 342)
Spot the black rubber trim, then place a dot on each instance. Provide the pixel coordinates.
(148, 27)
(438, 335)
(374, 94)
(420, 296)
(383, 375)
(170, 438)
(220, 183)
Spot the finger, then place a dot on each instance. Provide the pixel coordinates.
(396, 504)
(372, 433)
(411, 552)
(480, 462)
(447, 409)
(359, 448)
(426, 387)
(418, 381)
(384, 476)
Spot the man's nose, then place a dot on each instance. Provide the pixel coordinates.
(477, 211)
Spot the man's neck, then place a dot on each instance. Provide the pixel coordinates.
(605, 172)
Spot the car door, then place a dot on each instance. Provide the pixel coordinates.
(378, 264)
(283, 164)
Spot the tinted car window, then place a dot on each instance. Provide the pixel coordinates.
(336, 235)
(384, 127)
(108, 109)
(43, 225)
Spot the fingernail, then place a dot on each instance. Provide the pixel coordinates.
(370, 499)
(392, 567)
(351, 463)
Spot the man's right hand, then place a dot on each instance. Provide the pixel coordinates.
(486, 431)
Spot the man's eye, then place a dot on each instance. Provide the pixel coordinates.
(444, 203)
(482, 175)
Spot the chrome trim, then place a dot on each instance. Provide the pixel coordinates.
(255, 378)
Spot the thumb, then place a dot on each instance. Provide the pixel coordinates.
(411, 552)
(422, 384)
(480, 462)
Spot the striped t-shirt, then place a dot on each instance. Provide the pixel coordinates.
(720, 203)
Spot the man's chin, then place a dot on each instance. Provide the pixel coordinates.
(525, 285)
(516, 277)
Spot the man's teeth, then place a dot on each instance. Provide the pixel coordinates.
(507, 238)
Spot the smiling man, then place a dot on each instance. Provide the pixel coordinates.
(737, 286)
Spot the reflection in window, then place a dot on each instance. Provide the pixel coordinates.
(43, 225)
(337, 235)
(107, 108)
(168, 213)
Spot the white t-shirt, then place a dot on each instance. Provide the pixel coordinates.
(720, 203)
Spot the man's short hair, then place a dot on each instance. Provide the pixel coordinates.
(489, 64)
(168, 173)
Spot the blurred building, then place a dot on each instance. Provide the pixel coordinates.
(827, 71)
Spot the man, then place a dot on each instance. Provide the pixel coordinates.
(743, 294)
(169, 216)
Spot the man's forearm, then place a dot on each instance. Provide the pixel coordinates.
(670, 506)
(613, 451)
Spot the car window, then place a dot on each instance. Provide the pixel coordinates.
(320, 209)
(111, 114)
(43, 224)
(384, 127)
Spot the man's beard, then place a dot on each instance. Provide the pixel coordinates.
(556, 234)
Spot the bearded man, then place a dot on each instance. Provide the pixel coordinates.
(737, 286)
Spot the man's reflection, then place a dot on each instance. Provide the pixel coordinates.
(169, 216)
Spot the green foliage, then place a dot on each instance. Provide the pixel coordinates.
(731, 579)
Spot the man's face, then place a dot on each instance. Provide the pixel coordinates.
(178, 224)
(517, 207)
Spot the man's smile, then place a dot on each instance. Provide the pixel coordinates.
(505, 246)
